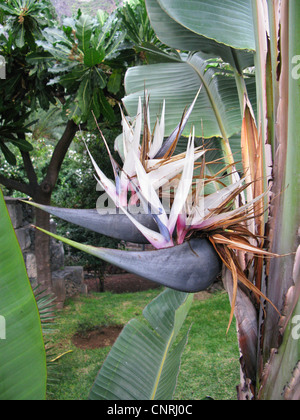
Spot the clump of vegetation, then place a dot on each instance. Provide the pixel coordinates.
(65, 75)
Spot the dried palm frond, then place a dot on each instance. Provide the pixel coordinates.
(225, 245)
(228, 228)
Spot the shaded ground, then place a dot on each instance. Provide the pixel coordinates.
(117, 281)
(120, 283)
(127, 283)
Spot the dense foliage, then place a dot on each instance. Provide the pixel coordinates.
(64, 70)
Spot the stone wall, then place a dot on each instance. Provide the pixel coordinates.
(66, 281)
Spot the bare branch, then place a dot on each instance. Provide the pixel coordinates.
(16, 185)
(58, 156)
(30, 171)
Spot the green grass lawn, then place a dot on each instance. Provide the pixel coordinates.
(210, 362)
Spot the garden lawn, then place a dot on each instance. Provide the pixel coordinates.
(210, 362)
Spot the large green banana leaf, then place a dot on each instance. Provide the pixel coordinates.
(147, 362)
(223, 28)
(217, 112)
(23, 371)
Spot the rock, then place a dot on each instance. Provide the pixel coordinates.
(15, 211)
(57, 257)
(59, 290)
(73, 279)
(24, 238)
(76, 274)
(30, 262)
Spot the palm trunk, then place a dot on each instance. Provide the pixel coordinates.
(280, 351)
(275, 374)
(270, 353)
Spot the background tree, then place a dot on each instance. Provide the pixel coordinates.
(73, 70)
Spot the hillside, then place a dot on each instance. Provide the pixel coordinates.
(70, 7)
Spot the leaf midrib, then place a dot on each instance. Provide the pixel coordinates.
(157, 380)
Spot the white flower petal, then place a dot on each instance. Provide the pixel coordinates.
(184, 186)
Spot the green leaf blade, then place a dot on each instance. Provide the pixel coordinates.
(227, 22)
(217, 110)
(173, 27)
(147, 367)
(84, 29)
(22, 354)
(92, 57)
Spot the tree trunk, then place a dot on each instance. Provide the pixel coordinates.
(42, 195)
(42, 243)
